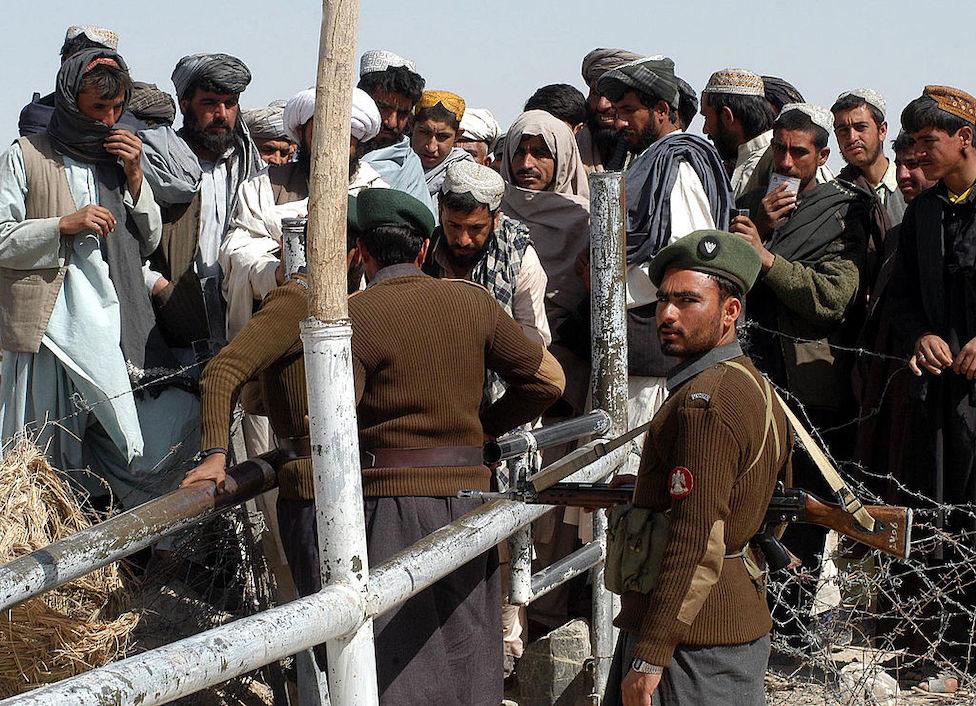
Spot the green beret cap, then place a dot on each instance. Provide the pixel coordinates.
(389, 207)
(711, 251)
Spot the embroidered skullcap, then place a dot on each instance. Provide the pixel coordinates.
(820, 116)
(483, 183)
(380, 60)
(779, 92)
(479, 125)
(266, 122)
(150, 104)
(451, 101)
(736, 82)
(869, 96)
(365, 116)
(653, 75)
(954, 101)
(226, 72)
(101, 36)
(601, 60)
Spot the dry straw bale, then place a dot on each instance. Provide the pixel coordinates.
(67, 631)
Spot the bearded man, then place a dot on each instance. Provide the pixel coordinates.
(85, 368)
(195, 175)
(600, 143)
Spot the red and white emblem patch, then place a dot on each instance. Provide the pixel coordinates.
(681, 483)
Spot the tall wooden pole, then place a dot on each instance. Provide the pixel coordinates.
(327, 336)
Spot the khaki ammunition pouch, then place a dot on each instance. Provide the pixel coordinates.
(636, 539)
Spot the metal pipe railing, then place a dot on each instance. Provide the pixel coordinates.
(566, 569)
(184, 667)
(133, 530)
(525, 441)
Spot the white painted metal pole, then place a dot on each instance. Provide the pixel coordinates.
(189, 665)
(326, 336)
(608, 324)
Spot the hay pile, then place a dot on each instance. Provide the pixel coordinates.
(75, 628)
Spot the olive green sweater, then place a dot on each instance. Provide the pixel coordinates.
(420, 348)
(713, 425)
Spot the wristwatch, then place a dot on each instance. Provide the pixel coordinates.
(643, 667)
(198, 459)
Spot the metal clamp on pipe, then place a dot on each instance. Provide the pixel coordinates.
(522, 442)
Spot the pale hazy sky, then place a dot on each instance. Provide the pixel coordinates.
(495, 54)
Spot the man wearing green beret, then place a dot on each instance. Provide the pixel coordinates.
(420, 350)
(695, 628)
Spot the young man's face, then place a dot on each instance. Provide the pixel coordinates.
(533, 165)
(911, 178)
(433, 140)
(466, 233)
(275, 151)
(691, 316)
(395, 110)
(860, 139)
(939, 153)
(796, 155)
(104, 110)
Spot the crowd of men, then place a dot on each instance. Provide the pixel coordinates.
(143, 299)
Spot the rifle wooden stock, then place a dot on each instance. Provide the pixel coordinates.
(893, 525)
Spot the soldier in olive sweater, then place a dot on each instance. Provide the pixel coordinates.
(420, 350)
(711, 459)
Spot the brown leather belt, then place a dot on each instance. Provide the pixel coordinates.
(423, 458)
(444, 456)
(298, 445)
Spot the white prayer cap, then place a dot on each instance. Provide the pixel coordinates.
(479, 124)
(735, 81)
(868, 95)
(381, 60)
(820, 116)
(365, 116)
(105, 37)
(483, 183)
(299, 109)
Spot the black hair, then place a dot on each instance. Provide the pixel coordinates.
(649, 100)
(687, 102)
(560, 100)
(754, 112)
(438, 113)
(851, 102)
(108, 81)
(903, 142)
(798, 120)
(463, 203)
(924, 112)
(207, 84)
(395, 79)
(392, 245)
(77, 44)
(726, 287)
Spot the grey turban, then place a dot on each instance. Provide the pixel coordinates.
(267, 123)
(599, 61)
(226, 72)
(653, 75)
(152, 105)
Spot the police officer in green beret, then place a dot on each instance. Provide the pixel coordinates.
(420, 349)
(694, 620)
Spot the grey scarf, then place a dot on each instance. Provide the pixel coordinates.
(651, 179)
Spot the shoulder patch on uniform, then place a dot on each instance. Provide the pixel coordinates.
(680, 483)
(700, 396)
(702, 389)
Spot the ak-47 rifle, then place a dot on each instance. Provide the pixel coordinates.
(892, 531)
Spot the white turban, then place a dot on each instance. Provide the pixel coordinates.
(819, 116)
(479, 125)
(365, 116)
(300, 108)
